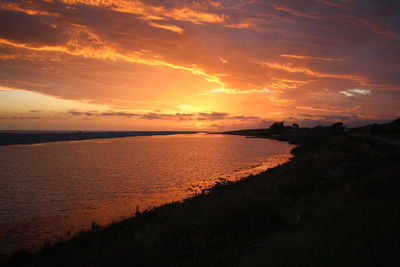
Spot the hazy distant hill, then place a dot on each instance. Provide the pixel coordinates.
(8, 138)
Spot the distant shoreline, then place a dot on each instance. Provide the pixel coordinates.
(14, 138)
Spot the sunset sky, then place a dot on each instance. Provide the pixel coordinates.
(207, 65)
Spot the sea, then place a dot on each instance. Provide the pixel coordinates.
(51, 191)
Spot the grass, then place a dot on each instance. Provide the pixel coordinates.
(335, 204)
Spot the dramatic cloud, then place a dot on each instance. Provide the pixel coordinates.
(183, 62)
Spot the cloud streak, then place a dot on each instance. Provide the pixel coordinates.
(198, 116)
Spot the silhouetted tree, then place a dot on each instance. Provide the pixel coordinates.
(338, 127)
(295, 126)
(277, 128)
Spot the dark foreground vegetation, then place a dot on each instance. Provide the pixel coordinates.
(15, 138)
(337, 203)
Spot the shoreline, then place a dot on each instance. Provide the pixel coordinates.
(311, 205)
(37, 138)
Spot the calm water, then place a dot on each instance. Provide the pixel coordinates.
(54, 190)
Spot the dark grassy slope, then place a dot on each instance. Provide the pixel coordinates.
(337, 203)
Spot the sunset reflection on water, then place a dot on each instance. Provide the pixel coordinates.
(54, 190)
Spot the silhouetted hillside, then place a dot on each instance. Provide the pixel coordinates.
(385, 128)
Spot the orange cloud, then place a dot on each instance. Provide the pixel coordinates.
(293, 12)
(310, 57)
(101, 51)
(151, 12)
(290, 68)
(236, 91)
(280, 83)
(167, 27)
(30, 11)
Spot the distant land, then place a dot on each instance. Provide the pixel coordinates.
(388, 133)
(34, 137)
